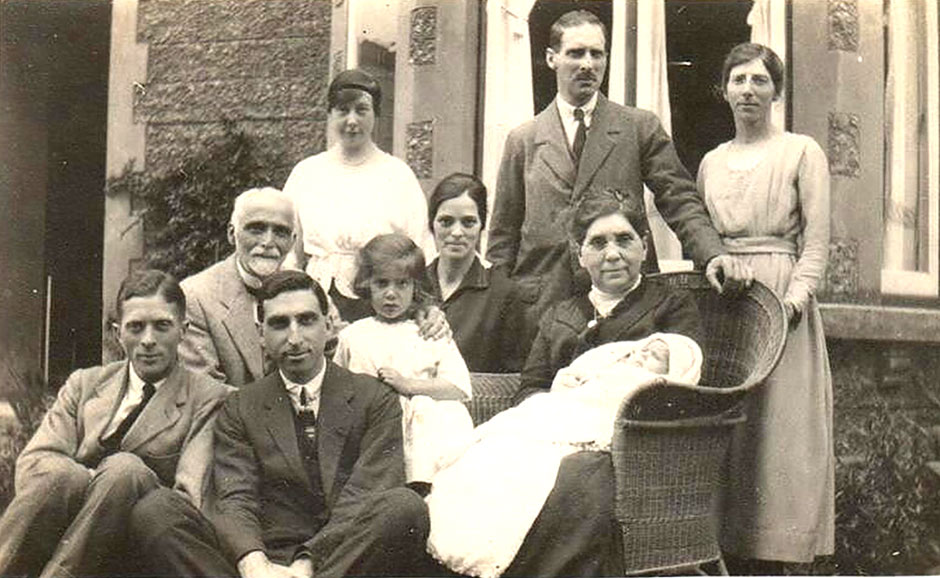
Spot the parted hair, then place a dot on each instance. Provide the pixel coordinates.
(599, 202)
(570, 20)
(453, 186)
(383, 250)
(748, 51)
(290, 280)
(150, 282)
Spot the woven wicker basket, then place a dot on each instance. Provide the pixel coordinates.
(670, 441)
(492, 393)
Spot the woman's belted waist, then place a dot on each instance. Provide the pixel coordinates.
(759, 245)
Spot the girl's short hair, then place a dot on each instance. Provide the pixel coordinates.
(600, 202)
(385, 249)
(748, 51)
(451, 187)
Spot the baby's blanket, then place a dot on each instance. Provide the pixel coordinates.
(483, 504)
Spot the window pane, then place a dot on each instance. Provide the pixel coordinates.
(907, 187)
(698, 36)
(374, 28)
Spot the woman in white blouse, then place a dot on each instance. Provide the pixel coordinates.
(352, 192)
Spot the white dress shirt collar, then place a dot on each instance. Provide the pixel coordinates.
(312, 389)
(132, 398)
(566, 111)
(136, 382)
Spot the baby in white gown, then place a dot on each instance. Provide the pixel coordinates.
(482, 505)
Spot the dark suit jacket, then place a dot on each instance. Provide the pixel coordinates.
(564, 334)
(223, 338)
(263, 492)
(173, 435)
(625, 148)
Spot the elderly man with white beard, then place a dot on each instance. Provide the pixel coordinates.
(223, 338)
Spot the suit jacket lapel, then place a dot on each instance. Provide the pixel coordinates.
(239, 320)
(551, 145)
(333, 422)
(605, 128)
(98, 411)
(161, 413)
(279, 420)
(634, 307)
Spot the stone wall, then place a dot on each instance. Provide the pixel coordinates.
(180, 69)
(262, 64)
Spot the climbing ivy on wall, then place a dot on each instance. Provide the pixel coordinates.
(185, 209)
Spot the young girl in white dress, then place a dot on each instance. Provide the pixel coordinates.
(430, 376)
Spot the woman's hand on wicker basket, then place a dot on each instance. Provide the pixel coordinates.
(794, 312)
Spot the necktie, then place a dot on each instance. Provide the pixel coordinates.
(254, 292)
(118, 435)
(308, 419)
(580, 135)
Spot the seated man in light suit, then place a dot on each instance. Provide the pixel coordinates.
(309, 472)
(223, 336)
(115, 433)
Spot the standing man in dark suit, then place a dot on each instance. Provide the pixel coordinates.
(308, 469)
(115, 433)
(223, 336)
(579, 140)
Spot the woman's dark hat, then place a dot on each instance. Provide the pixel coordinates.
(358, 80)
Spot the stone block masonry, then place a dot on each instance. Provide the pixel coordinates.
(263, 64)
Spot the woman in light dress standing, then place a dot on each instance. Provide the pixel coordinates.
(767, 191)
(352, 192)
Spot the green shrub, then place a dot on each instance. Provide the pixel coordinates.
(29, 396)
(887, 513)
(185, 211)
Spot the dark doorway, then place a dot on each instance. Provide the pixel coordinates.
(56, 71)
(698, 36)
(543, 14)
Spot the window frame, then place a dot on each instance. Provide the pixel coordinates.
(901, 282)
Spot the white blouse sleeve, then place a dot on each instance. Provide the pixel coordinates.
(813, 190)
(342, 355)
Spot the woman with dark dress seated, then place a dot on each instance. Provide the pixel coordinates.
(575, 532)
(482, 305)
(608, 232)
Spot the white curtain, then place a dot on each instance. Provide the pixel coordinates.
(617, 71)
(507, 101)
(652, 93)
(768, 22)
